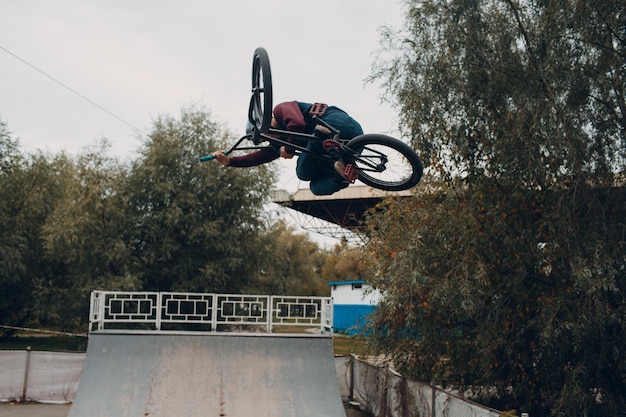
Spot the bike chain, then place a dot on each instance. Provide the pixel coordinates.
(334, 144)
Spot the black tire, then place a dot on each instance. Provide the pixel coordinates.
(386, 163)
(260, 110)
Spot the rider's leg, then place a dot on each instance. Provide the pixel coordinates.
(323, 178)
(304, 170)
(348, 127)
(322, 175)
(326, 185)
(309, 167)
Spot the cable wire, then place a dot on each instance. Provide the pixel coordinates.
(110, 113)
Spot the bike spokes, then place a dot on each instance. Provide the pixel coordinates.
(260, 110)
(386, 163)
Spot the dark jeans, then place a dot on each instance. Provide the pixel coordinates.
(322, 175)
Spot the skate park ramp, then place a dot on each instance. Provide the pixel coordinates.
(207, 374)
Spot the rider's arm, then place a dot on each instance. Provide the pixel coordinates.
(259, 157)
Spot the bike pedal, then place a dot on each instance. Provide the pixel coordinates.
(351, 173)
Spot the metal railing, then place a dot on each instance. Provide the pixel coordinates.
(207, 312)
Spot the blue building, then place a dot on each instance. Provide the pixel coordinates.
(352, 302)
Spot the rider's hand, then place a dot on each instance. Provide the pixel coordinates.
(221, 158)
(284, 153)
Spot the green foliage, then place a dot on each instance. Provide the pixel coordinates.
(507, 271)
(29, 189)
(164, 222)
(343, 263)
(190, 219)
(14, 233)
(85, 237)
(291, 264)
(46, 343)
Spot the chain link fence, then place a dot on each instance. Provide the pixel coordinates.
(50, 377)
(384, 393)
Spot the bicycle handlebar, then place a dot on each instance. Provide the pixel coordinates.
(234, 147)
(210, 157)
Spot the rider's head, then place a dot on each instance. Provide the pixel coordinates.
(249, 127)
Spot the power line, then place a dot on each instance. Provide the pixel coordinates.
(29, 329)
(67, 87)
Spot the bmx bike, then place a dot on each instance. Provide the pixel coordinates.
(377, 160)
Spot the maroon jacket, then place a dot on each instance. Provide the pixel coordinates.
(288, 117)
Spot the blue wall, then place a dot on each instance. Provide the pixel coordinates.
(350, 318)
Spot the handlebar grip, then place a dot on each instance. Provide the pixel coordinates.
(206, 158)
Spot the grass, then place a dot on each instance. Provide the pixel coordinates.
(344, 345)
(46, 343)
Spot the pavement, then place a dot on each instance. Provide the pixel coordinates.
(60, 410)
(33, 410)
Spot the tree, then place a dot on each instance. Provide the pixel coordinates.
(511, 274)
(291, 264)
(13, 291)
(86, 236)
(164, 222)
(343, 263)
(30, 186)
(196, 226)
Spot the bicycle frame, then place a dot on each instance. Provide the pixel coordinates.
(275, 136)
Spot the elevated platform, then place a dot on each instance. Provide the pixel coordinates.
(340, 215)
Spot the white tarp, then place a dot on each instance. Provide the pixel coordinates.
(39, 376)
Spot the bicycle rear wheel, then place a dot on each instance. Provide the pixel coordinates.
(386, 163)
(260, 110)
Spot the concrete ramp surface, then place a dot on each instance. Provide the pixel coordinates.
(196, 374)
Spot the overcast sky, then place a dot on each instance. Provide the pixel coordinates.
(139, 59)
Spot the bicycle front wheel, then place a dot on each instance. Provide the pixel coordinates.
(385, 163)
(260, 110)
